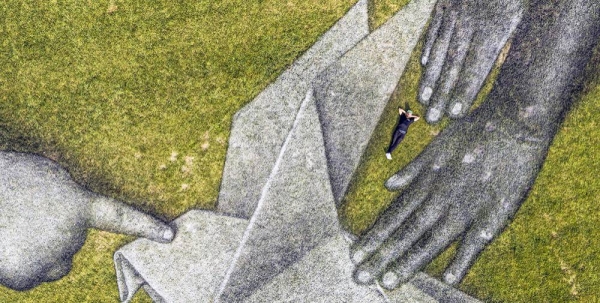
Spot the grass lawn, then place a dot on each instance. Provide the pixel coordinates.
(136, 98)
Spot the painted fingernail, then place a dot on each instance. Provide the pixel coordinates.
(427, 92)
(363, 277)
(434, 114)
(168, 234)
(396, 181)
(390, 280)
(486, 235)
(450, 278)
(456, 108)
(468, 158)
(424, 60)
(358, 256)
(350, 238)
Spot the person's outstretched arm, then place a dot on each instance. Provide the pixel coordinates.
(462, 186)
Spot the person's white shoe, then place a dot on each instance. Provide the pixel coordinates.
(389, 156)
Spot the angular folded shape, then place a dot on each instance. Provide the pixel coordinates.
(190, 268)
(276, 236)
(352, 93)
(260, 128)
(325, 275)
(295, 212)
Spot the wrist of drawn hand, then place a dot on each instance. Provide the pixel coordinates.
(533, 123)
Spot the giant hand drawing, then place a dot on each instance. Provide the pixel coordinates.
(293, 151)
(462, 43)
(472, 179)
(45, 216)
(292, 247)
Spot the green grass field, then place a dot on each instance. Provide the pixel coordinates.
(136, 99)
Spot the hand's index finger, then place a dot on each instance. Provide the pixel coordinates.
(114, 216)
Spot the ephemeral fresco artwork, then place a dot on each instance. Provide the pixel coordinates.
(292, 153)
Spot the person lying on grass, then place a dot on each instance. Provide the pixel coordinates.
(471, 180)
(405, 120)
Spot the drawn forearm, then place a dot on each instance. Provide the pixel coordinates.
(545, 68)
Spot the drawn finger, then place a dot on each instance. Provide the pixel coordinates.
(482, 232)
(391, 220)
(400, 242)
(403, 206)
(421, 255)
(407, 174)
(114, 216)
(454, 63)
(432, 31)
(59, 270)
(479, 62)
(437, 58)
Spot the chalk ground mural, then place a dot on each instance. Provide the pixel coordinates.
(76, 90)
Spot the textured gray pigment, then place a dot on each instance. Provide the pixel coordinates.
(189, 269)
(325, 275)
(45, 216)
(409, 293)
(473, 177)
(291, 250)
(295, 212)
(260, 128)
(352, 93)
(462, 44)
(518, 121)
(439, 291)
(36, 195)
